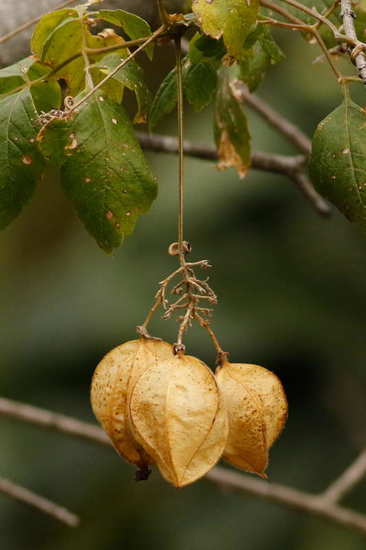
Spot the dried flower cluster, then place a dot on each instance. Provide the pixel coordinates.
(171, 411)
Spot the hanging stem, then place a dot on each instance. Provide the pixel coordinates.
(192, 294)
(178, 50)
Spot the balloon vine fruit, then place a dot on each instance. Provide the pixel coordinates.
(168, 409)
(177, 414)
(113, 380)
(257, 411)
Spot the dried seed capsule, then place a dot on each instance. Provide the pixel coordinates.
(112, 381)
(178, 416)
(257, 411)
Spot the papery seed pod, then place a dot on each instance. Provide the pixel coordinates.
(112, 381)
(178, 416)
(257, 412)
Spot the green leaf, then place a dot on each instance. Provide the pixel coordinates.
(254, 66)
(230, 19)
(14, 76)
(270, 46)
(21, 163)
(55, 140)
(200, 70)
(45, 28)
(338, 160)
(230, 127)
(134, 26)
(200, 83)
(62, 42)
(105, 173)
(257, 60)
(46, 95)
(205, 48)
(132, 77)
(70, 35)
(112, 88)
(165, 99)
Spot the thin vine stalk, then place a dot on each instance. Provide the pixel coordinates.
(180, 119)
(120, 66)
(89, 51)
(297, 24)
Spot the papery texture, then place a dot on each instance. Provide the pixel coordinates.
(257, 412)
(178, 416)
(113, 379)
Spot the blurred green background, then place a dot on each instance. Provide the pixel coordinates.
(292, 291)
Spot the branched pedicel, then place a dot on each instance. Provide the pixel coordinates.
(183, 294)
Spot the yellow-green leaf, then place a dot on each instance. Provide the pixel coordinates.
(232, 19)
(62, 35)
(134, 26)
(47, 95)
(132, 77)
(200, 83)
(45, 27)
(14, 76)
(257, 59)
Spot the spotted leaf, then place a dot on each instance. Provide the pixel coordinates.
(21, 163)
(338, 161)
(105, 173)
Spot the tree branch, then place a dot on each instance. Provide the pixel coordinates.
(316, 505)
(347, 480)
(314, 13)
(291, 167)
(52, 421)
(308, 190)
(349, 29)
(291, 498)
(291, 132)
(36, 501)
(267, 162)
(281, 11)
(313, 29)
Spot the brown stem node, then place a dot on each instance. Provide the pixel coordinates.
(179, 349)
(173, 249)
